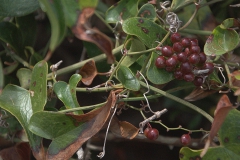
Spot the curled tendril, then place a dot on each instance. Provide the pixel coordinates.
(173, 21)
(164, 4)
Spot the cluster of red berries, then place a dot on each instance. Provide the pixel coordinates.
(182, 58)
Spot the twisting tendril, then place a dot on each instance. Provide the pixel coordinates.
(173, 21)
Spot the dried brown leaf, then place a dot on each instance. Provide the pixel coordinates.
(223, 107)
(198, 94)
(123, 128)
(94, 121)
(83, 32)
(88, 72)
(20, 151)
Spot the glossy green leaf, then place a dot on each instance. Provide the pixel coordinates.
(17, 8)
(176, 4)
(55, 12)
(28, 28)
(24, 76)
(136, 45)
(147, 11)
(147, 31)
(229, 142)
(10, 34)
(126, 77)
(38, 86)
(17, 101)
(88, 3)
(122, 10)
(156, 75)
(67, 92)
(70, 8)
(221, 41)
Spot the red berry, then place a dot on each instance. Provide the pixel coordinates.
(186, 67)
(177, 47)
(146, 131)
(160, 62)
(171, 61)
(152, 134)
(186, 42)
(194, 58)
(210, 66)
(189, 77)
(198, 81)
(185, 139)
(194, 42)
(178, 74)
(170, 69)
(202, 57)
(182, 56)
(194, 49)
(167, 51)
(158, 48)
(175, 37)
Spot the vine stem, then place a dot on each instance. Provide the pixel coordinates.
(179, 100)
(78, 65)
(82, 108)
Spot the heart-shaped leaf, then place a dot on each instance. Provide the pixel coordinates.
(17, 8)
(147, 11)
(121, 11)
(146, 30)
(24, 76)
(221, 41)
(67, 92)
(156, 75)
(126, 77)
(55, 12)
(229, 142)
(70, 131)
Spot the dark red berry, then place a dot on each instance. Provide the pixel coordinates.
(202, 57)
(175, 37)
(182, 57)
(171, 61)
(186, 42)
(177, 47)
(160, 62)
(146, 131)
(194, 49)
(152, 134)
(198, 81)
(170, 69)
(186, 67)
(167, 51)
(187, 51)
(194, 42)
(178, 74)
(158, 48)
(210, 66)
(194, 58)
(189, 77)
(185, 139)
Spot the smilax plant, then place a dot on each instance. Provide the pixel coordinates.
(161, 59)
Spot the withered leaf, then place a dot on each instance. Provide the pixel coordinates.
(123, 128)
(20, 151)
(223, 107)
(88, 72)
(84, 32)
(94, 121)
(198, 94)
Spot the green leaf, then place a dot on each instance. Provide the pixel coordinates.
(121, 11)
(230, 22)
(156, 75)
(67, 92)
(176, 4)
(28, 28)
(17, 8)
(88, 3)
(24, 76)
(55, 12)
(38, 86)
(136, 45)
(229, 141)
(70, 8)
(221, 41)
(10, 34)
(147, 31)
(17, 101)
(126, 77)
(147, 11)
